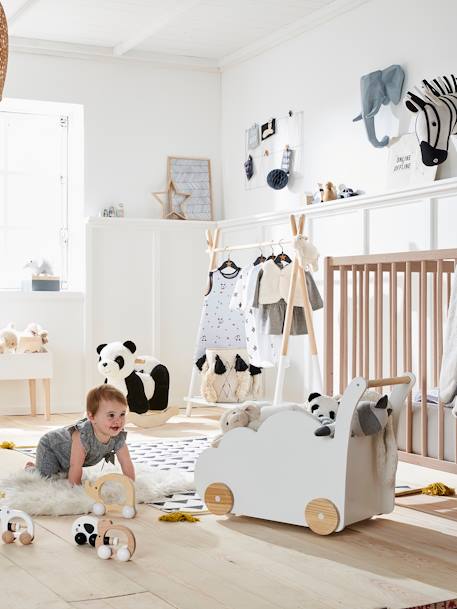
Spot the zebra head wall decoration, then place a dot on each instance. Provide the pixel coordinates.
(435, 104)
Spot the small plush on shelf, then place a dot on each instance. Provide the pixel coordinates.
(329, 192)
(8, 339)
(39, 266)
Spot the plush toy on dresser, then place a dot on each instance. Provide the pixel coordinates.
(144, 381)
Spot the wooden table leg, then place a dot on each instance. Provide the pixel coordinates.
(32, 391)
(47, 398)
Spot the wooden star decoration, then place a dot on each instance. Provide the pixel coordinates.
(171, 209)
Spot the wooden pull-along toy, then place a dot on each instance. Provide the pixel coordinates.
(107, 546)
(127, 509)
(16, 525)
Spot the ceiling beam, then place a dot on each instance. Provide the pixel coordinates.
(13, 17)
(157, 24)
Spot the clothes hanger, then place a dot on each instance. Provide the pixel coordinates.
(282, 257)
(260, 258)
(229, 264)
(272, 256)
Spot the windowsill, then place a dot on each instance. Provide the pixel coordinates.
(22, 295)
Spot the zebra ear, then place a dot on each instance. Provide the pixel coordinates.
(414, 103)
(411, 107)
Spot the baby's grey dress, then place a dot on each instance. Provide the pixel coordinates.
(54, 448)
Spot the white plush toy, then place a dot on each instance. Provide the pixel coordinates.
(307, 253)
(39, 266)
(250, 415)
(8, 339)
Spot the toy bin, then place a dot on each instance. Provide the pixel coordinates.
(284, 473)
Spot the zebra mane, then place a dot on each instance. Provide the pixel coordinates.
(431, 91)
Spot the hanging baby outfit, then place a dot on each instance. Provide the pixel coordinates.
(262, 349)
(219, 325)
(271, 295)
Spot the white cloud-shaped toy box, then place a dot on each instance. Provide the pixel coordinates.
(274, 473)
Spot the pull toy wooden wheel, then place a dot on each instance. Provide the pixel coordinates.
(219, 498)
(322, 516)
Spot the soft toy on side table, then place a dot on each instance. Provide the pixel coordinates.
(144, 381)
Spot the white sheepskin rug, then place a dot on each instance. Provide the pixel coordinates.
(38, 496)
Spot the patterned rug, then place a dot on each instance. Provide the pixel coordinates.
(167, 454)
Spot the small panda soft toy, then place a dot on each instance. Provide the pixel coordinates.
(145, 387)
(323, 408)
(370, 417)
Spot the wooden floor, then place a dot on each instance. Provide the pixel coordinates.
(404, 559)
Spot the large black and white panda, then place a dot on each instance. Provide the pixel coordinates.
(145, 385)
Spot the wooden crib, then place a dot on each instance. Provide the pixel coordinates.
(384, 314)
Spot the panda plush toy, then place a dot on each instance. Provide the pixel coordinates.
(145, 385)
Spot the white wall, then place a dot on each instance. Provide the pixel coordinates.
(319, 72)
(135, 116)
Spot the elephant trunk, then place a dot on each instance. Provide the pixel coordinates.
(371, 133)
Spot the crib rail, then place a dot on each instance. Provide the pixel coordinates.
(385, 313)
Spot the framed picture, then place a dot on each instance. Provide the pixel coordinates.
(191, 177)
(404, 164)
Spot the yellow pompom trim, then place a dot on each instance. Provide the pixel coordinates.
(7, 444)
(438, 488)
(179, 517)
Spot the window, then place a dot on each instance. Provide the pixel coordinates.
(35, 162)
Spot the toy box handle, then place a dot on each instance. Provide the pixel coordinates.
(395, 380)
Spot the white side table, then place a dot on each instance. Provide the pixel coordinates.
(31, 367)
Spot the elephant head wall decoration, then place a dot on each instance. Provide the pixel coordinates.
(379, 88)
(435, 105)
(3, 48)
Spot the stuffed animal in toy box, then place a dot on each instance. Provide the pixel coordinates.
(251, 416)
(145, 385)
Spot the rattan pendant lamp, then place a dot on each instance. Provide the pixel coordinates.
(3, 49)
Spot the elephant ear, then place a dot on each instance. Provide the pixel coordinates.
(393, 78)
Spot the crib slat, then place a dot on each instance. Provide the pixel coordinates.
(366, 323)
(393, 319)
(439, 350)
(360, 369)
(328, 325)
(378, 322)
(408, 354)
(448, 283)
(354, 322)
(423, 356)
(343, 328)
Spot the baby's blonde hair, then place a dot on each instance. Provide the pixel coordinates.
(103, 392)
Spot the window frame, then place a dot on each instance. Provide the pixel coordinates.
(72, 235)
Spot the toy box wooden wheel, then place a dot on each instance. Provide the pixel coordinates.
(322, 516)
(219, 499)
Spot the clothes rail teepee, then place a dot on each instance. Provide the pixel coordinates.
(297, 276)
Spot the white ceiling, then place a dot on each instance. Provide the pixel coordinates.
(214, 33)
